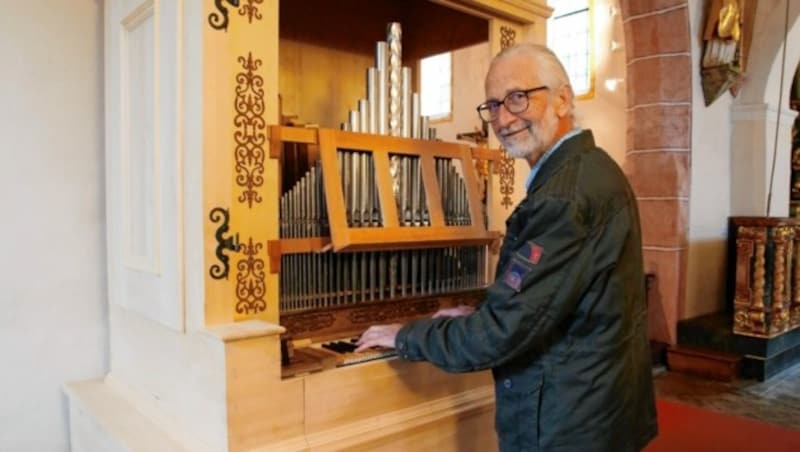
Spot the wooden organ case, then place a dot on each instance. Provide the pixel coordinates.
(239, 245)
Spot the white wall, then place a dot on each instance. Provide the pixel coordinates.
(710, 197)
(755, 113)
(469, 70)
(732, 151)
(604, 113)
(53, 315)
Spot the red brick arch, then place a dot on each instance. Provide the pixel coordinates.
(659, 84)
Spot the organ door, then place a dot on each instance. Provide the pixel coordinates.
(144, 156)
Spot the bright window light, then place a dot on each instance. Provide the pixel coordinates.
(569, 34)
(436, 85)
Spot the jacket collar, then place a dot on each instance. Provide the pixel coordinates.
(568, 149)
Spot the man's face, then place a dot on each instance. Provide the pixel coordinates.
(527, 134)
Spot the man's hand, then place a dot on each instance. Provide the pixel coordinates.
(378, 336)
(458, 311)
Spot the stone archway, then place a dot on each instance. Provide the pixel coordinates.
(657, 159)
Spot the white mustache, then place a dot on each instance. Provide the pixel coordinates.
(509, 131)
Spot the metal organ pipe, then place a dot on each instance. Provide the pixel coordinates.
(392, 108)
(406, 103)
(415, 119)
(382, 63)
(372, 99)
(363, 116)
(327, 279)
(316, 280)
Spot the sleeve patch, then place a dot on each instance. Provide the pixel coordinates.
(514, 273)
(532, 252)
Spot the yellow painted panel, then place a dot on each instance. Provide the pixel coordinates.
(240, 98)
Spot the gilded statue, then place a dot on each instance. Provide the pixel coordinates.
(727, 35)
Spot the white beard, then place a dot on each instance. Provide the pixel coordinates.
(537, 140)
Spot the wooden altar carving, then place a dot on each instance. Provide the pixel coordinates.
(767, 286)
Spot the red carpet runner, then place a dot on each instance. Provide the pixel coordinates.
(684, 428)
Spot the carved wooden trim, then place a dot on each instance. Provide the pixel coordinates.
(508, 37)
(347, 320)
(251, 10)
(506, 179)
(251, 287)
(778, 319)
(758, 239)
(378, 313)
(307, 322)
(749, 316)
(250, 130)
(765, 222)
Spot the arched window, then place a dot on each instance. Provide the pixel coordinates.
(569, 34)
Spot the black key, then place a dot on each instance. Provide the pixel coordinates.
(329, 346)
(347, 347)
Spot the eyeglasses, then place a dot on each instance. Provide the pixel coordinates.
(515, 102)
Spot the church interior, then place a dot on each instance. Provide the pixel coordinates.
(182, 277)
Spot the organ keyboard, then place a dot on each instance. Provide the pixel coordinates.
(305, 356)
(344, 352)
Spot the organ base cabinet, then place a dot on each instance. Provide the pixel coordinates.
(272, 191)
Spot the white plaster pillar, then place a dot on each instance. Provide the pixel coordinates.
(752, 146)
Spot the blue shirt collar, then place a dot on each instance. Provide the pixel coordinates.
(538, 165)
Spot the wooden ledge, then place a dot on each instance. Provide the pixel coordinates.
(247, 329)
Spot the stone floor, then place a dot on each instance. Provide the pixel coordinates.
(776, 401)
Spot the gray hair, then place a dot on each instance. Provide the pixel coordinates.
(550, 70)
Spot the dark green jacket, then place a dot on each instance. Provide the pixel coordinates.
(563, 326)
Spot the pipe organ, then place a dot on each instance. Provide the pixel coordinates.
(374, 275)
(370, 179)
(360, 231)
(244, 252)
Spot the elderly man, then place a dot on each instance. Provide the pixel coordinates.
(563, 326)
